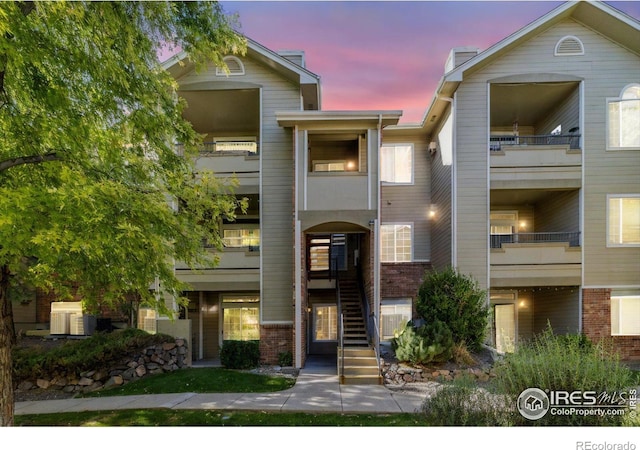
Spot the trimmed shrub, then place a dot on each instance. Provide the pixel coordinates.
(456, 300)
(240, 354)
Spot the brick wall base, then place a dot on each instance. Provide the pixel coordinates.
(596, 323)
(275, 339)
(402, 280)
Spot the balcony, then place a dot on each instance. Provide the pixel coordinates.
(533, 259)
(538, 161)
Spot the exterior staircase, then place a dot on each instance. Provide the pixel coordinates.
(360, 365)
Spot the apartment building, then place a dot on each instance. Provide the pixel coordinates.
(524, 174)
(536, 175)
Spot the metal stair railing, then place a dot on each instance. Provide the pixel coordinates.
(371, 321)
(334, 264)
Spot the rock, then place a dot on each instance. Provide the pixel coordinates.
(100, 375)
(141, 371)
(168, 346)
(25, 386)
(114, 381)
(43, 384)
(84, 381)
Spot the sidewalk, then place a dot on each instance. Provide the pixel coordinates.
(316, 390)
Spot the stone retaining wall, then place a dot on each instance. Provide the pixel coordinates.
(159, 358)
(398, 374)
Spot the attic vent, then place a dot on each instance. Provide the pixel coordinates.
(234, 66)
(569, 46)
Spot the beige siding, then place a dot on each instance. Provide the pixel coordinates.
(276, 161)
(441, 198)
(276, 242)
(566, 115)
(410, 203)
(525, 306)
(606, 68)
(559, 212)
(559, 308)
(470, 160)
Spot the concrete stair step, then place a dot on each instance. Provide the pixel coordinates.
(361, 342)
(361, 379)
(358, 370)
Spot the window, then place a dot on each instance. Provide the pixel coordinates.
(241, 238)
(623, 220)
(396, 164)
(394, 314)
(325, 324)
(623, 117)
(396, 242)
(240, 318)
(625, 315)
(326, 249)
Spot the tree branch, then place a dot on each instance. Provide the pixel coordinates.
(36, 159)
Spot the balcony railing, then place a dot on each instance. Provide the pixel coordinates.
(572, 140)
(224, 147)
(250, 247)
(572, 238)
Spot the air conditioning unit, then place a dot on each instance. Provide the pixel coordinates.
(147, 320)
(76, 324)
(60, 316)
(59, 323)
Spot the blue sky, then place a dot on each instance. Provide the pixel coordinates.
(385, 54)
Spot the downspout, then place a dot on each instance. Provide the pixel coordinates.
(376, 244)
(297, 259)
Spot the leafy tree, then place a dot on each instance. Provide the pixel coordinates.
(89, 179)
(456, 300)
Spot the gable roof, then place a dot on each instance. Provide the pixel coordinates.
(179, 65)
(598, 16)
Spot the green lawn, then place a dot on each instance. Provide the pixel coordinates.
(169, 417)
(203, 380)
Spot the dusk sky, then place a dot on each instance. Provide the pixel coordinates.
(381, 54)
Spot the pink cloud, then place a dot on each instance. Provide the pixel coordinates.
(385, 55)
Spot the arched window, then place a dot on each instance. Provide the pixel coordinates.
(623, 119)
(569, 46)
(234, 66)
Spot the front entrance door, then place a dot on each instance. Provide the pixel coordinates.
(505, 327)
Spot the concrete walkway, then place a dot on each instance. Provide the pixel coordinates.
(316, 390)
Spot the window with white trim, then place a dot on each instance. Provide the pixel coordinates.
(396, 164)
(396, 242)
(394, 314)
(623, 220)
(625, 315)
(240, 317)
(623, 120)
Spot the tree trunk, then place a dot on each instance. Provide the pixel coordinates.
(7, 341)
